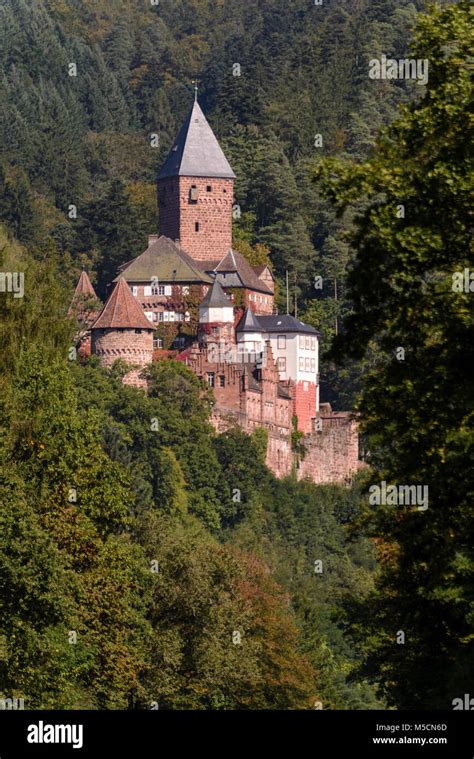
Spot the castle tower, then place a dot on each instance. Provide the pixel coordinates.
(216, 318)
(122, 331)
(85, 304)
(84, 286)
(85, 308)
(249, 333)
(196, 191)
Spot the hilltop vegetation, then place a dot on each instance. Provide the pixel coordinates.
(86, 140)
(145, 560)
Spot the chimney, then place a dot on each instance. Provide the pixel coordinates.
(152, 239)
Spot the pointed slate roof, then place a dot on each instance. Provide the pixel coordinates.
(216, 297)
(122, 311)
(248, 322)
(235, 264)
(196, 152)
(165, 261)
(84, 286)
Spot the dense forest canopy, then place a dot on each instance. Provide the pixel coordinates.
(417, 399)
(283, 85)
(131, 573)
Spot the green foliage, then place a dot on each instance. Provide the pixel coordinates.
(260, 439)
(242, 462)
(223, 635)
(85, 140)
(81, 565)
(96, 480)
(235, 549)
(417, 404)
(302, 525)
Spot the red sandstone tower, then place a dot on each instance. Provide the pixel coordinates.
(122, 331)
(196, 191)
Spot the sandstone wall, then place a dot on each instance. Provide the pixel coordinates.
(212, 211)
(304, 404)
(135, 348)
(168, 203)
(332, 454)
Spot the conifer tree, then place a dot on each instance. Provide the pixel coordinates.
(410, 297)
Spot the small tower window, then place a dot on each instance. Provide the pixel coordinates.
(210, 379)
(221, 380)
(196, 227)
(193, 194)
(209, 188)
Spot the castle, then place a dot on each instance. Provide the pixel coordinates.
(217, 313)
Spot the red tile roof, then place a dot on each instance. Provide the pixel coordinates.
(122, 311)
(84, 286)
(85, 305)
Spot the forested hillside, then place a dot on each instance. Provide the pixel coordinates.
(273, 77)
(145, 561)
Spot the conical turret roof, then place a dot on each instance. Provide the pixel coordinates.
(249, 322)
(196, 152)
(216, 297)
(122, 310)
(84, 286)
(85, 304)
